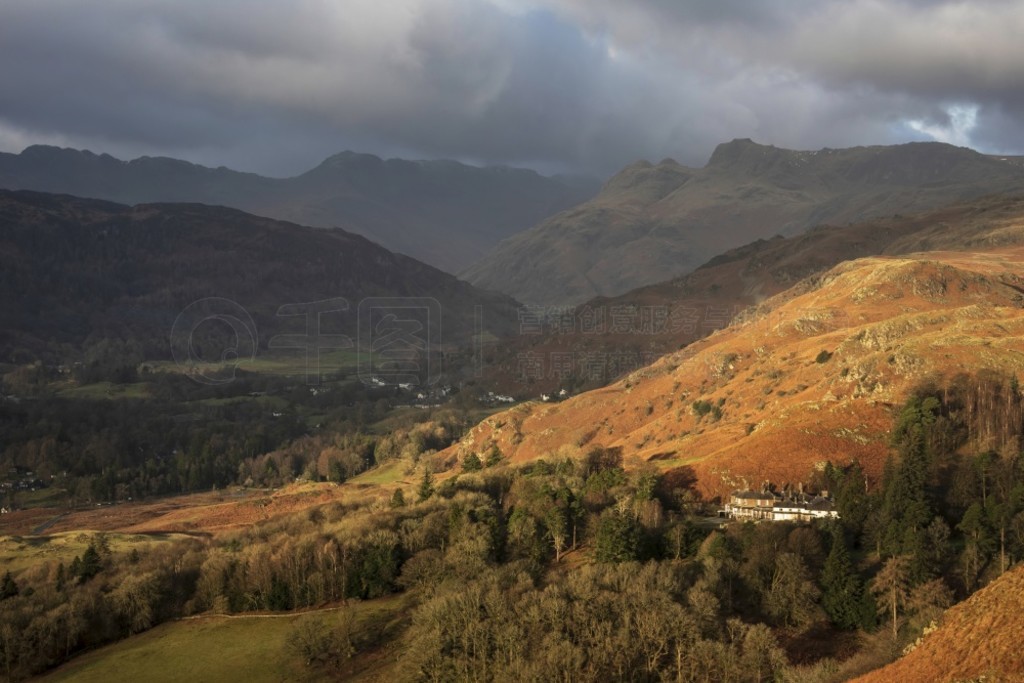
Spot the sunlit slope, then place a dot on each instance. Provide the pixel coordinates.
(812, 374)
(977, 640)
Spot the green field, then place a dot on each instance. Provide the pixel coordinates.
(388, 473)
(210, 649)
(290, 364)
(243, 648)
(101, 390)
(51, 497)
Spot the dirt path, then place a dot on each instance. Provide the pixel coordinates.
(41, 529)
(282, 615)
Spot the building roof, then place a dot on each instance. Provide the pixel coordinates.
(754, 495)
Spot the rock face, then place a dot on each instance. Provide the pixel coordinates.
(442, 212)
(651, 223)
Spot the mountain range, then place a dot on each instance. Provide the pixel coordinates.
(75, 272)
(444, 213)
(654, 222)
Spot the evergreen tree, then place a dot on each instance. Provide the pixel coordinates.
(8, 588)
(618, 537)
(398, 499)
(851, 498)
(842, 591)
(61, 576)
(426, 487)
(90, 564)
(906, 510)
(978, 543)
(471, 463)
(493, 456)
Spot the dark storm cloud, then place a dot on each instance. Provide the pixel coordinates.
(570, 84)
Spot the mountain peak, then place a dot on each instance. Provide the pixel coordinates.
(739, 150)
(648, 181)
(350, 159)
(54, 152)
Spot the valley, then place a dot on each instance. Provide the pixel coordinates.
(338, 524)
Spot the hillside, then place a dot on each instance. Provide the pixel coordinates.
(651, 223)
(651, 321)
(978, 639)
(76, 271)
(775, 405)
(445, 213)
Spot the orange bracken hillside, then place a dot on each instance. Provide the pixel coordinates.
(707, 297)
(885, 325)
(979, 639)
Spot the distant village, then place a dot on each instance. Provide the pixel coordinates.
(18, 479)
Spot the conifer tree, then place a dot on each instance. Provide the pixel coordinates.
(8, 588)
(426, 487)
(471, 463)
(842, 591)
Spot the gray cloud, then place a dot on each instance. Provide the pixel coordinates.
(564, 84)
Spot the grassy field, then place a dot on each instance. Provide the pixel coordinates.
(211, 649)
(101, 390)
(388, 473)
(50, 496)
(21, 552)
(288, 364)
(245, 648)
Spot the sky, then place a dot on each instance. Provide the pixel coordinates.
(579, 86)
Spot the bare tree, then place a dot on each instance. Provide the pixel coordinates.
(891, 588)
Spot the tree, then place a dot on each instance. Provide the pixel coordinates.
(762, 657)
(398, 499)
(134, 600)
(978, 538)
(891, 588)
(89, 565)
(9, 588)
(618, 537)
(556, 524)
(851, 497)
(906, 509)
(321, 644)
(792, 596)
(471, 463)
(426, 487)
(842, 595)
(493, 456)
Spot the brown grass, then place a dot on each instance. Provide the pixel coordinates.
(980, 637)
(890, 323)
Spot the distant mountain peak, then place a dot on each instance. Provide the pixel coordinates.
(655, 222)
(52, 151)
(657, 181)
(740, 151)
(349, 160)
(445, 212)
